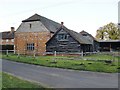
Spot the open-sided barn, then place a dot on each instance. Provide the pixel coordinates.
(109, 45)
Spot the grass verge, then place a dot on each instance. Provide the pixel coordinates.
(0, 81)
(9, 81)
(86, 63)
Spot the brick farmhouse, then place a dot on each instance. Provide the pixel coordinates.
(7, 39)
(33, 33)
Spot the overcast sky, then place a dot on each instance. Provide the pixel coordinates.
(77, 15)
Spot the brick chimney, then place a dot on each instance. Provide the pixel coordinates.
(62, 24)
(12, 29)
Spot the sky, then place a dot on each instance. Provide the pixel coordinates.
(77, 15)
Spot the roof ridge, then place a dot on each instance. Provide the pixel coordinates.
(35, 17)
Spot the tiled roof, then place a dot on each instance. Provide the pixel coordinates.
(35, 17)
(51, 25)
(84, 32)
(78, 37)
(7, 35)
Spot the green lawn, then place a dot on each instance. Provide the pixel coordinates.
(0, 80)
(94, 63)
(102, 57)
(9, 81)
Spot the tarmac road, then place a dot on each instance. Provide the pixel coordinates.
(61, 78)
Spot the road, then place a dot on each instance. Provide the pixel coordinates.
(61, 78)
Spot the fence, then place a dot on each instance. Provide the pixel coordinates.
(16, 52)
(56, 53)
(46, 53)
(7, 51)
(81, 56)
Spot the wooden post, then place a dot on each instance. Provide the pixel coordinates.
(110, 48)
(34, 55)
(18, 54)
(82, 54)
(113, 57)
(55, 56)
(14, 49)
(7, 53)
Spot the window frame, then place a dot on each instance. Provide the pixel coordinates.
(30, 46)
(62, 37)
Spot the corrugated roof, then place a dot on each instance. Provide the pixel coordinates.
(51, 25)
(108, 40)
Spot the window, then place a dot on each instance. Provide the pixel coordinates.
(7, 40)
(30, 46)
(30, 25)
(12, 40)
(62, 37)
(84, 34)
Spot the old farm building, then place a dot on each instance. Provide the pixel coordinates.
(95, 43)
(66, 41)
(33, 33)
(109, 45)
(39, 35)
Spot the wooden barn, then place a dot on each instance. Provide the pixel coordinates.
(66, 41)
(95, 43)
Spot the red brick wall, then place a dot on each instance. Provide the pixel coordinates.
(38, 38)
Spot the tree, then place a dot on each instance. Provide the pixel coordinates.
(108, 32)
(100, 33)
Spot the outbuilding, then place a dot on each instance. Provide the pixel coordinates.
(66, 41)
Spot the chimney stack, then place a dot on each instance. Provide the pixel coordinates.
(62, 23)
(12, 29)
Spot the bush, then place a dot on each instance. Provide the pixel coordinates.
(108, 61)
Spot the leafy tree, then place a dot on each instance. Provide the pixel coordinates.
(108, 32)
(100, 33)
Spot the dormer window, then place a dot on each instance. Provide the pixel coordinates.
(62, 37)
(84, 34)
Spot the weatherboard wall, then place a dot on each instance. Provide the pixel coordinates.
(68, 46)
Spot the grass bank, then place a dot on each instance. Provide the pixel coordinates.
(96, 63)
(0, 81)
(9, 81)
